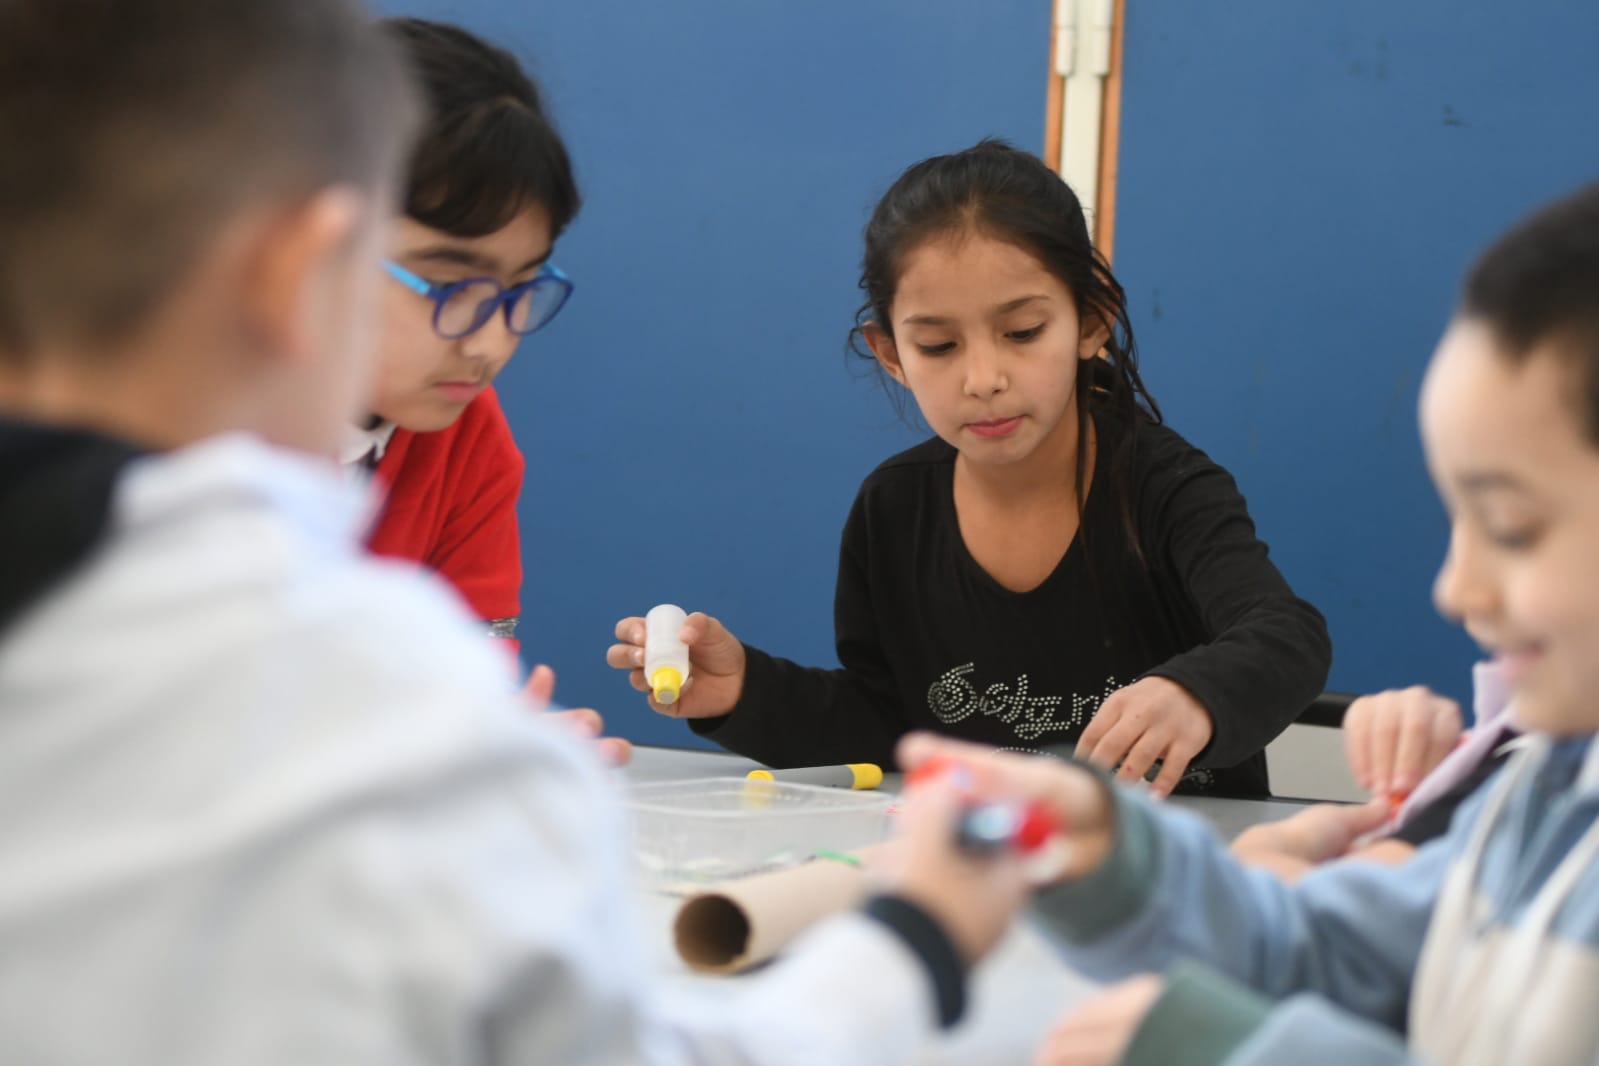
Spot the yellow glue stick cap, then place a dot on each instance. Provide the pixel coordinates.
(867, 775)
(665, 684)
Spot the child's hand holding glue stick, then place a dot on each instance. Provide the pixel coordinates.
(1058, 816)
(972, 897)
(708, 659)
(666, 661)
(989, 827)
(981, 829)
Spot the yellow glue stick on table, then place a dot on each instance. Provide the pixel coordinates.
(850, 775)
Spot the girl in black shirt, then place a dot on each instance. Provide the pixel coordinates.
(1055, 566)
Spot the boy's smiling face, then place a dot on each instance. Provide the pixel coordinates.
(424, 381)
(1520, 478)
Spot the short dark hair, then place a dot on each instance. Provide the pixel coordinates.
(132, 130)
(1539, 283)
(488, 150)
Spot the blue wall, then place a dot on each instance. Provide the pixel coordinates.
(1302, 186)
(692, 428)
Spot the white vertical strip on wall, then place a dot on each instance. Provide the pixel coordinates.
(1082, 58)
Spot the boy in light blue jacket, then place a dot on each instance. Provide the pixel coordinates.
(1484, 948)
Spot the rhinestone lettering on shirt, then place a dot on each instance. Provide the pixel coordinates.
(954, 698)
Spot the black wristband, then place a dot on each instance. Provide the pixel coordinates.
(929, 942)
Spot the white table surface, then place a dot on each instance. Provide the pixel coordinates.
(1015, 995)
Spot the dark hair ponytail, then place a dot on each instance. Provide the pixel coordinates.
(995, 189)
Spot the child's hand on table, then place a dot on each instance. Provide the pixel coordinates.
(1395, 738)
(716, 666)
(1294, 846)
(1098, 1031)
(1148, 720)
(540, 690)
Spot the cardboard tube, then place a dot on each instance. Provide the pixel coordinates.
(747, 921)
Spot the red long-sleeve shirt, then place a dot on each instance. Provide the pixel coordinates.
(451, 505)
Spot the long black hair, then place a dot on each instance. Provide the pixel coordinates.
(488, 149)
(995, 189)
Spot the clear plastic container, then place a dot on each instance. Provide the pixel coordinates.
(712, 829)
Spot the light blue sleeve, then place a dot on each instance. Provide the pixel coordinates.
(1170, 890)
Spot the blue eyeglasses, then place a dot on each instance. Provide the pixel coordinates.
(462, 307)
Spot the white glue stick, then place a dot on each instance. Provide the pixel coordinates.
(665, 654)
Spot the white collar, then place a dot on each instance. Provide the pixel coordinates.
(359, 443)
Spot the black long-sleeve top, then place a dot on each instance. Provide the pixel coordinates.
(928, 640)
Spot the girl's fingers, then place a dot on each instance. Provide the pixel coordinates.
(1145, 750)
(1104, 719)
(695, 626)
(1172, 769)
(624, 656)
(1113, 747)
(1357, 740)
